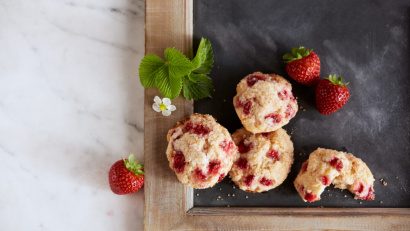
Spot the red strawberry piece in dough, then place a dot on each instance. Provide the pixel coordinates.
(214, 166)
(331, 95)
(359, 188)
(179, 162)
(325, 180)
(198, 129)
(199, 174)
(370, 195)
(221, 177)
(265, 134)
(248, 180)
(126, 176)
(336, 163)
(242, 163)
(246, 106)
(226, 145)
(253, 78)
(304, 166)
(302, 65)
(290, 112)
(283, 94)
(273, 154)
(244, 148)
(310, 197)
(276, 118)
(265, 181)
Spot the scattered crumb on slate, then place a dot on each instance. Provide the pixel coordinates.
(383, 181)
(381, 202)
(228, 206)
(197, 194)
(220, 189)
(360, 202)
(219, 197)
(345, 195)
(233, 194)
(229, 195)
(397, 177)
(246, 197)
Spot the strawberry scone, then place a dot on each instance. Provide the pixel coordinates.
(264, 162)
(326, 166)
(264, 102)
(200, 151)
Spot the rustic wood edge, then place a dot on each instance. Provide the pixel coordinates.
(168, 23)
(169, 204)
(268, 211)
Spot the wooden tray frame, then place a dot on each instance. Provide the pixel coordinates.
(169, 204)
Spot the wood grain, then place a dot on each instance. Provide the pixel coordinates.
(167, 24)
(169, 204)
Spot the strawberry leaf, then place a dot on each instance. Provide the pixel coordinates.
(204, 58)
(147, 69)
(169, 85)
(178, 64)
(197, 86)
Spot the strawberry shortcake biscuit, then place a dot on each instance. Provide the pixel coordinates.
(264, 102)
(264, 162)
(200, 151)
(343, 170)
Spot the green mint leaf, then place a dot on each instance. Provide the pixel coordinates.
(204, 58)
(197, 86)
(178, 64)
(169, 85)
(147, 70)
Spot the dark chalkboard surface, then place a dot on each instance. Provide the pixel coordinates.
(366, 41)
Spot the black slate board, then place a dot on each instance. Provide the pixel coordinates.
(366, 41)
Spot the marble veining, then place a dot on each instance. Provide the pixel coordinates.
(70, 106)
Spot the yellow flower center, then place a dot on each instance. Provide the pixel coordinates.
(162, 107)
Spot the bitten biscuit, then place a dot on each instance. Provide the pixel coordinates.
(326, 166)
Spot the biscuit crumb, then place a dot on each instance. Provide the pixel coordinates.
(229, 195)
(233, 194)
(360, 202)
(383, 181)
(345, 195)
(381, 202)
(197, 194)
(246, 197)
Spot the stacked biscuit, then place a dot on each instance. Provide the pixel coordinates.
(259, 156)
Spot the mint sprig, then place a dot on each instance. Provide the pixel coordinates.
(176, 72)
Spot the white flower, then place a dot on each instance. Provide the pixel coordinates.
(163, 106)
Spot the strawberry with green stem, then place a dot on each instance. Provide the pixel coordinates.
(126, 176)
(331, 94)
(302, 65)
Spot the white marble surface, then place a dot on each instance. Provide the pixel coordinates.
(70, 106)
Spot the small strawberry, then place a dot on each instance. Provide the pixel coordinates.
(302, 65)
(126, 176)
(331, 94)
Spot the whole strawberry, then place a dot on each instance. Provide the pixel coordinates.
(126, 176)
(302, 65)
(331, 94)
